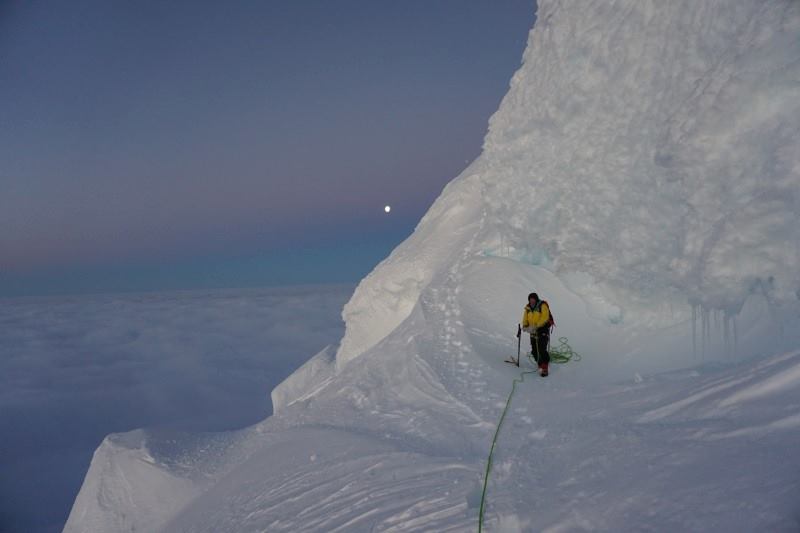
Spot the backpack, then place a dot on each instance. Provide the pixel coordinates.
(551, 323)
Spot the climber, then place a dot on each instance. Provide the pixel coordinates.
(537, 320)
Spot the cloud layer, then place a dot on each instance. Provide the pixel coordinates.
(75, 369)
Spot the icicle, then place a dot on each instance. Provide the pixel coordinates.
(706, 330)
(725, 342)
(694, 331)
(703, 327)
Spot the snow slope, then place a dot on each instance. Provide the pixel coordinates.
(399, 442)
(642, 175)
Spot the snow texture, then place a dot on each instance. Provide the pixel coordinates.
(642, 175)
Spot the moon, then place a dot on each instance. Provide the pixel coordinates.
(387, 208)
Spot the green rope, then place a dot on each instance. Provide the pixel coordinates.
(520, 379)
(562, 354)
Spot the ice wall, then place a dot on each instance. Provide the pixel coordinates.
(656, 146)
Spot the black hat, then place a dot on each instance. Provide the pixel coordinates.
(534, 296)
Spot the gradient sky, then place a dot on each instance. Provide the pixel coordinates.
(156, 145)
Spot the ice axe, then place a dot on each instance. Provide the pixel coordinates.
(519, 340)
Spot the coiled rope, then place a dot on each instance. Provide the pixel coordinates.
(563, 353)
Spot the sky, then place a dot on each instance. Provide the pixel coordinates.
(174, 145)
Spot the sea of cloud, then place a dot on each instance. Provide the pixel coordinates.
(74, 369)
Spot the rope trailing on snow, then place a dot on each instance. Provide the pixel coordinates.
(561, 354)
(520, 379)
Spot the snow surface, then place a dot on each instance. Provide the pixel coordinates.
(642, 175)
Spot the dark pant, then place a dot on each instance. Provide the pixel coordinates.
(539, 343)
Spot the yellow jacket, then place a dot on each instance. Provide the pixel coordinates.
(536, 317)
